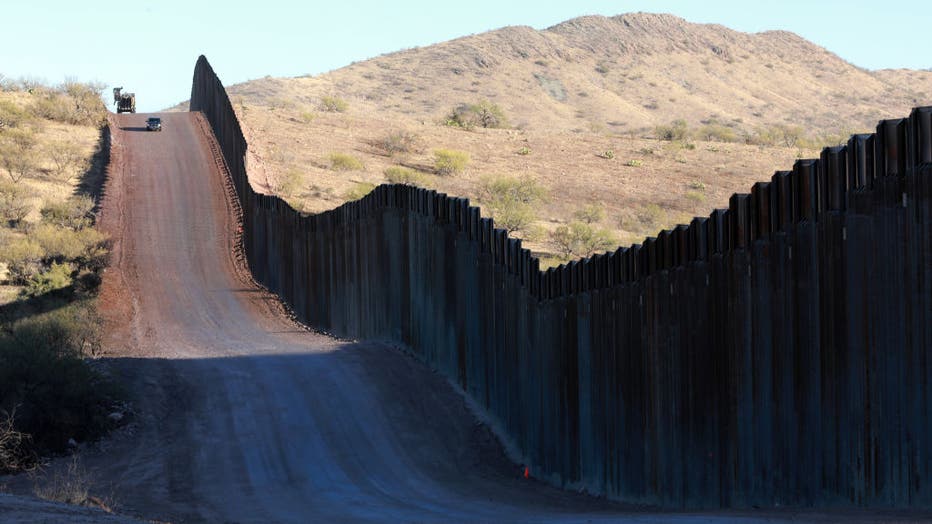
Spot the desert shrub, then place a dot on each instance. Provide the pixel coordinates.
(676, 130)
(17, 154)
(695, 196)
(608, 154)
(591, 213)
(84, 104)
(344, 162)
(289, 184)
(43, 376)
(74, 213)
(634, 163)
(13, 204)
(524, 151)
(398, 142)
(717, 132)
(64, 156)
(450, 161)
(404, 175)
(85, 246)
(11, 115)
(578, 239)
(359, 190)
(777, 135)
(481, 114)
(51, 105)
(23, 258)
(650, 215)
(696, 185)
(307, 116)
(333, 104)
(57, 276)
(512, 201)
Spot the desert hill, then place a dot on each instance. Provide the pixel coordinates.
(626, 73)
(583, 101)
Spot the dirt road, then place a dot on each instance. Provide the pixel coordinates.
(246, 417)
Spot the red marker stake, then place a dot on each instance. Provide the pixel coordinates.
(527, 473)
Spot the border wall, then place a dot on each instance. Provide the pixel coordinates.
(778, 352)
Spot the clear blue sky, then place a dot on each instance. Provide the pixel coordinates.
(150, 46)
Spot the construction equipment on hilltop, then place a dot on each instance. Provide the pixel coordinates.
(125, 102)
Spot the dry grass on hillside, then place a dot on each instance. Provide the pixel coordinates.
(648, 185)
(582, 101)
(47, 182)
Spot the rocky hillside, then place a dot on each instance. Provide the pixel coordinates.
(588, 106)
(623, 74)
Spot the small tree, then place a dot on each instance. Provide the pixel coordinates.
(513, 202)
(16, 153)
(450, 161)
(481, 114)
(591, 213)
(13, 204)
(74, 213)
(578, 239)
(676, 130)
(65, 156)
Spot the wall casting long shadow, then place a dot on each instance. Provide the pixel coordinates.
(776, 352)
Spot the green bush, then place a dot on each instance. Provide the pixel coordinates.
(513, 202)
(717, 132)
(74, 213)
(66, 244)
(578, 239)
(676, 130)
(333, 104)
(359, 190)
(290, 183)
(524, 151)
(403, 175)
(57, 276)
(23, 258)
(608, 154)
(344, 162)
(55, 394)
(695, 196)
(778, 135)
(481, 114)
(591, 213)
(634, 163)
(450, 161)
(650, 215)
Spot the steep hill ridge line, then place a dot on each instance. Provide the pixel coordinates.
(624, 74)
(634, 373)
